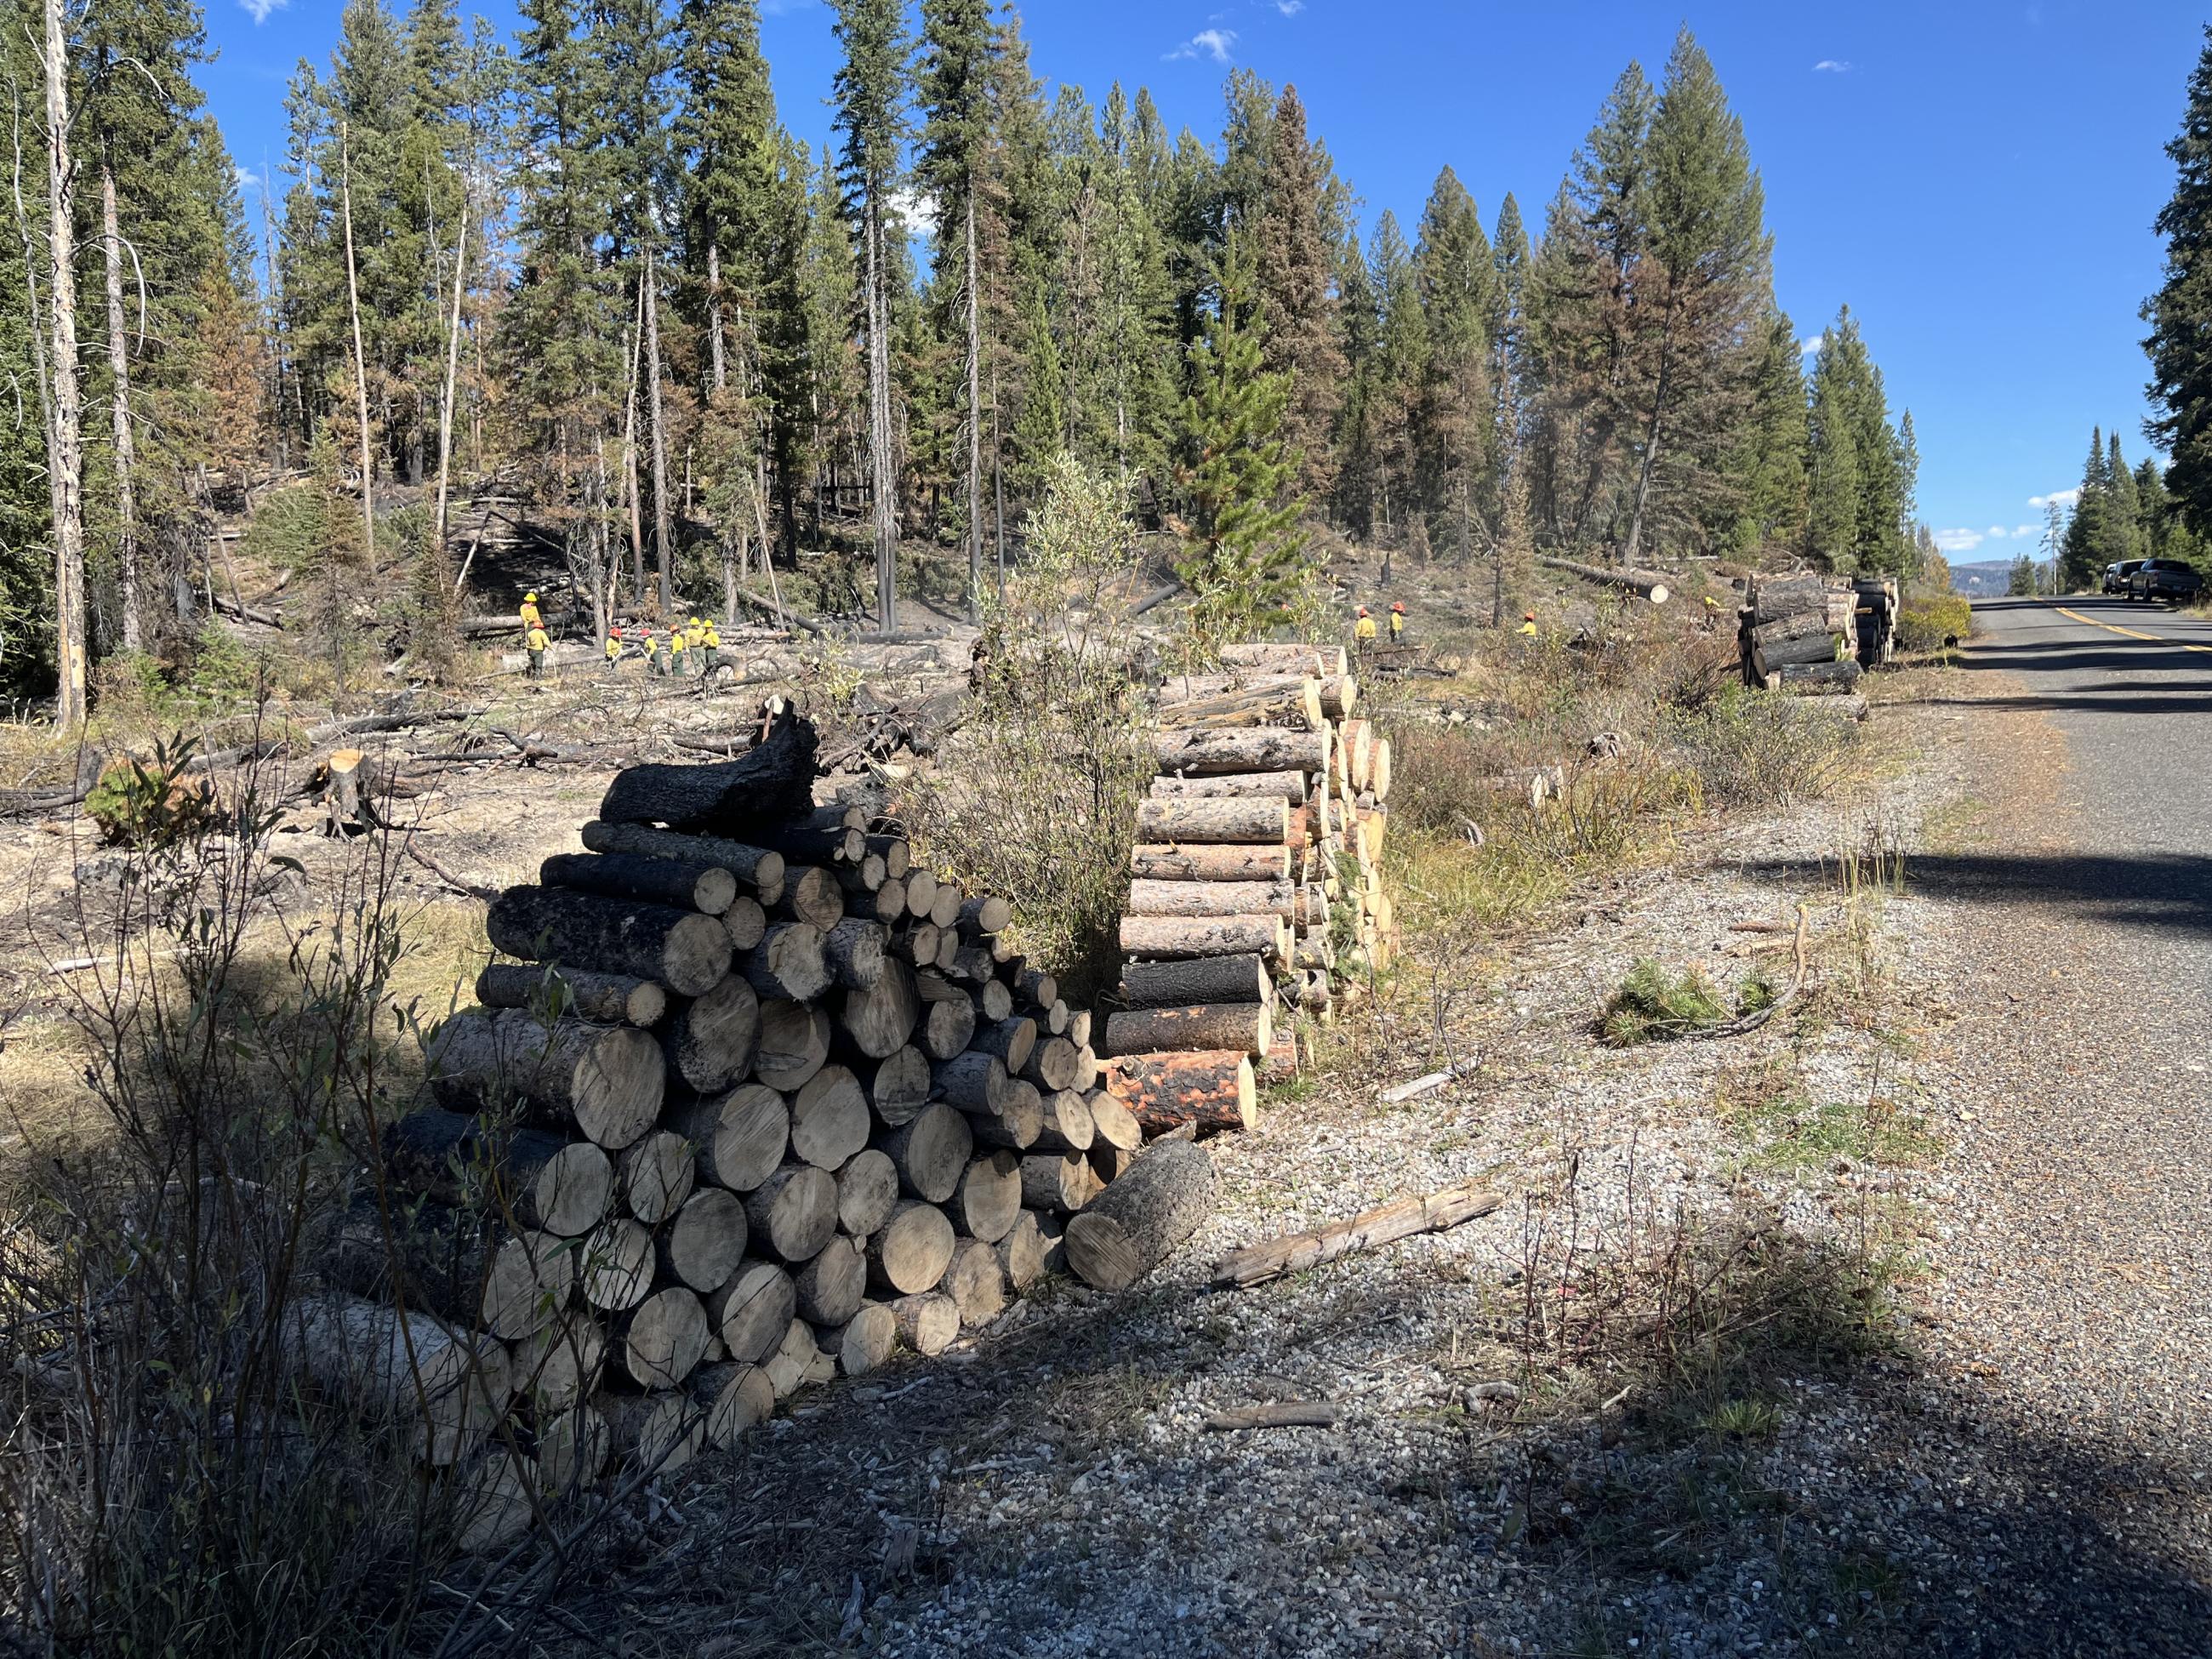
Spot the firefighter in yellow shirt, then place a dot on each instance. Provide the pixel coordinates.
(710, 649)
(529, 612)
(1363, 633)
(536, 643)
(614, 646)
(1527, 629)
(676, 646)
(1397, 621)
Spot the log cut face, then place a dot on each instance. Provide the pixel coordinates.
(608, 1080)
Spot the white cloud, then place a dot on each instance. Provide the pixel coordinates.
(783, 8)
(244, 177)
(1211, 43)
(259, 10)
(2027, 529)
(1959, 541)
(1290, 7)
(916, 210)
(1831, 66)
(1809, 344)
(1995, 532)
(2062, 497)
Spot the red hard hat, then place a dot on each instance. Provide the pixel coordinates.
(1528, 616)
(1397, 604)
(1363, 610)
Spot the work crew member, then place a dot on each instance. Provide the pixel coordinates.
(676, 646)
(651, 651)
(1397, 620)
(1527, 629)
(614, 646)
(536, 643)
(529, 613)
(1363, 633)
(710, 649)
(694, 632)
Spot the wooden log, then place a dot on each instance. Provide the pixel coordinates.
(976, 1283)
(790, 962)
(771, 785)
(1256, 1264)
(855, 951)
(615, 1263)
(1770, 599)
(931, 1152)
(896, 854)
(950, 1026)
(1012, 1040)
(1079, 1027)
(896, 1086)
(658, 1433)
(794, 1041)
(1035, 985)
(752, 1310)
(1810, 625)
(684, 951)
(1201, 980)
(1382, 771)
(863, 1342)
(829, 1119)
(971, 962)
(757, 867)
(1113, 1123)
(927, 1323)
(452, 1264)
(809, 842)
(990, 1196)
(1021, 1253)
(867, 1192)
(1168, 938)
(1820, 676)
(539, 1179)
(1289, 786)
(1017, 1123)
(948, 951)
(993, 1000)
(879, 1020)
(1067, 1123)
(831, 1284)
(745, 921)
(861, 881)
(920, 893)
(442, 1390)
(1053, 1018)
(977, 917)
(732, 1399)
(706, 888)
(709, 1041)
(1815, 648)
(1132, 1226)
(659, 1342)
(810, 895)
(1247, 1027)
(910, 1253)
(1212, 898)
(793, 1213)
(557, 1366)
(702, 1246)
(1647, 584)
(493, 1497)
(1358, 737)
(889, 904)
(1262, 749)
(656, 1174)
(1202, 863)
(944, 909)
(608, 1080)
(975, 1081)
(1259, 822)
(1216, 700)
(1322, 659)
(1059, 1181)
(1111, 1163)
(918, 944)
(611, 999)
(1213, 1091)
(1053, 1064)
(738, 1140)
(1052, 1237)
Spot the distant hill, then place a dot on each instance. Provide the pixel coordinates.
(1979, 582)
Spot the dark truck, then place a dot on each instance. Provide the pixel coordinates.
(2163, 579)
(2115, 575)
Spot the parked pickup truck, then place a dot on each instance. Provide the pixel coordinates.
(2115, 575)
(2163, 579)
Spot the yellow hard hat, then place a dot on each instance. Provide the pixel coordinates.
(529, 598)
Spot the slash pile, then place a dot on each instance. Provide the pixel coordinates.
(761, 1101)
(1255, 881)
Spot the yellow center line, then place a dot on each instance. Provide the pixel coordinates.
(2132, 633)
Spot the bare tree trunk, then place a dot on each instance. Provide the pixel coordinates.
(269, 251)
(880, 423)
(452, 371)
(997, 484)
(974, 427)
(119, 369)
(629, 459)
(64, 450)
(664, 534)
(360, 360)
(1651, 440)
(714, 310)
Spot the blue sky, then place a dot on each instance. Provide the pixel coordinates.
(1976, 182)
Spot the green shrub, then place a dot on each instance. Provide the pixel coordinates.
(290, 528)
(1753, 748)
(1926, 620)
(1653, 1005)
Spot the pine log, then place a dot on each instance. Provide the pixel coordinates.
(1256, 1264)
(1262, 749)
(948, 950)
(616, 1262)
(1052, 1237)
(975, 1081)
(703, 1245)
(752, 1310)
(896, 1086)
(1053, 1064)
(863, 1342)
(931, 1152)
(745, 921)
(540, 1180)
(1213, 1091)
(608, 1080)
(831, 1284)
(1059, 1181)
(771, 785)
(910, 1253)
(1772, 598)
(738, 1140)
(1819, 677)
(949, 1026)
(1079, 1027)
(976, 1283)
(686, 951)
(971, 962)
(794, 1041)
(944, 909)
(1277, 786)
(1113, 1123)
(855, 949)
(652, 1432)
(1218, 700)
(1017, 1122)
(1203, 980)
(492, 1499)
(1021, 1253)
(706, 888)
(861, 881)
(656, 1174)
(829, 1119)
(452, 1264)
(1180, 937)
(993, 1000)
(1813, 648)
(810, 895)
(557, 1366)
(918, 944)
(1261, 822)
(920, 893)
(611, 999)
(1132, 1226)
(1012, 1040)
(889, 904)
(1111, 1163)
(1211, 898)
(977, 917)
(990, 1196)
(880, 1020)
(1248, 1027)
(897, 853)
(927, 1323)
(1382, 771)
(1323, 659)
(758, 868)
(660, 1342)
(709, 1040)
(1783, 630)
(867, 1192)
(733, 1398)
(817, 843)
(789, 963)
(1358, 737)
(1201, 862)
(793, 1213)
(1068, 1125)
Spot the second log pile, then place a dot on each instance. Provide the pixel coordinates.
(1793, 632)
(1256, 885)
(760, 1101)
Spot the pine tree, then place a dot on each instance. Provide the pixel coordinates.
(1459, 413)
(1766, 460)
(2082, 552)
(1358, 463)
(2180, 312)
(1293, 258)
(2122, 512)
(1834, 482)
(1399, 379)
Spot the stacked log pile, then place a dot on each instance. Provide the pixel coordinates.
(760, 1101)
(1255, 888)
(1792, 631)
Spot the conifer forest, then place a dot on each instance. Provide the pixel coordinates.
(585, 283)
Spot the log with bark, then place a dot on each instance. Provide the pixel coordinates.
(831, 1285)
(1211, 863)
(1166, 938)
(1265, 749)
(708, 888)
(790, 962)
(752, 1310)
(655, 1175)
(794, 1042)
(608, 1080)
(910, 1253)
(442, 1390)
(1212, 898)
(793, 1213)
(1256, 1264)
(1227, 700)
(1245, 1027)
(709, 1041)
(931, 1152)
(537, 1178)
(829, 1120)
(1132, 1227)
(926, 1321)
(616, 999)
(1182, 984)
(867, 1192)
(758, 868)
(1211, 1090)
(879, 1020)
(660, 1341)
(1289, 786)
(975, 1282)
(738, 1141)
(1647, 584)
(863, 1342)
(770, 786)
(1323, 659)
(703, 1245)
(683, 949)
(1262, 821)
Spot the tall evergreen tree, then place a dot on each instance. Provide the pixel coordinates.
(1458, 410)
(1294, 255)
(2180, 312)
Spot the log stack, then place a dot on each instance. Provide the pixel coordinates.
(1255, 891)
(762, 1100)
(1793, 631)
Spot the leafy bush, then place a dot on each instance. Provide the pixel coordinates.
(290, 528)
(1926, 620)
(1754, 748)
